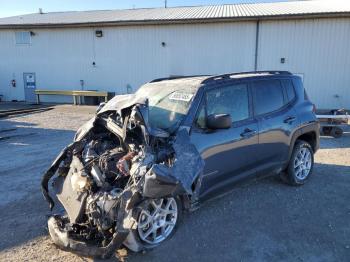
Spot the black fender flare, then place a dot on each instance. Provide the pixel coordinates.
(311, 127)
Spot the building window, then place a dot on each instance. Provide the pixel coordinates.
(23, 38)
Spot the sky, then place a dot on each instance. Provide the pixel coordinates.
(19, 7)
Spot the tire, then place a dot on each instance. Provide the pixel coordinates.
(300, 165)
(136, 240)
(326, 131)
(336, 132)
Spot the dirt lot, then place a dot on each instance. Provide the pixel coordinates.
(260, 220)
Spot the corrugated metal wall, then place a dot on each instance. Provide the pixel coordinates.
(132, 55)
(317, 49)
(124, 56)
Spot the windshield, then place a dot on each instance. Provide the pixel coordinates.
(168, 105)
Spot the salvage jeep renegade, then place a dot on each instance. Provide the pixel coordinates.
(146, 157)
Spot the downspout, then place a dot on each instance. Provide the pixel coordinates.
(257, 45)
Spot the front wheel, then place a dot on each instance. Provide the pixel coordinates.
(157, 220)
(300, 164)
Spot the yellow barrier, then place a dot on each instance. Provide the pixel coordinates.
(74, 93)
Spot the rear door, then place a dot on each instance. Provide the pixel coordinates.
(229, 154)
(273, 109)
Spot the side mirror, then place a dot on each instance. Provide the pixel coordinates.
(219, 121)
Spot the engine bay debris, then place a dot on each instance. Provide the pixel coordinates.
(116, 162)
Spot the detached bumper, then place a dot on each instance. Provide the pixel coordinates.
(62, 240)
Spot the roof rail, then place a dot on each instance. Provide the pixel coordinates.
(225, 76)
(174, 77)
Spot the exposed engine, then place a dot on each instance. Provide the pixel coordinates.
(115, 163)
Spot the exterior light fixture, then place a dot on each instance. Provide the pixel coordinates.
(99, 33)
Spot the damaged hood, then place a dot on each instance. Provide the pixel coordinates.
(119, 104)
(188, 164)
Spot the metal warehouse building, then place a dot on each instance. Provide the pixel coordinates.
(118, 50)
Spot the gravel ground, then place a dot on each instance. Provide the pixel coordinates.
(259, 220)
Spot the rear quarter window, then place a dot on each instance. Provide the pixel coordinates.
(306, 97)
(290, 91)
(268, 96)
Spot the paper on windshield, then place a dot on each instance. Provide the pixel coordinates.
(179, 96)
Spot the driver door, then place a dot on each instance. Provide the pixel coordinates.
(229, 154)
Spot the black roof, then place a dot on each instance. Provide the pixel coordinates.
(237, 75)
(249, 74)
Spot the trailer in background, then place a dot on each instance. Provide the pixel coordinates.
(333, 122)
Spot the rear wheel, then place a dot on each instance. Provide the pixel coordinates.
(300, 164)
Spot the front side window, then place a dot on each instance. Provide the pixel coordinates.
(23, 38)
(232, 100)
(268, 96)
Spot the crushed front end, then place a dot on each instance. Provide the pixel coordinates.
(116, 163)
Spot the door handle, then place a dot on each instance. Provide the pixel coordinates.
(289, 119)
(248, 132)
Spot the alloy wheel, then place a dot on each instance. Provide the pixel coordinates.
(303, 163)
(157, 220)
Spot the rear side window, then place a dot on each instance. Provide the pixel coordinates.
(268, 96)
(288, 86)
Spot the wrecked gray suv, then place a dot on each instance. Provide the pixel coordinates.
(146, 157)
